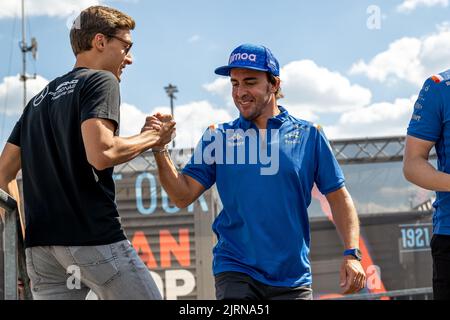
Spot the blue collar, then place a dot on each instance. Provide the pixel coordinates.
(279, 119)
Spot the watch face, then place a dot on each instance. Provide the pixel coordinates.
(358, 254)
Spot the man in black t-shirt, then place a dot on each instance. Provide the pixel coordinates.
(66, 143)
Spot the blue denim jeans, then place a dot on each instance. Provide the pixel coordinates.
(112, 271)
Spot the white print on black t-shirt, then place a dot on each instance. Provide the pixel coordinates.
(38, 99)
(63, 89)
(95, 175)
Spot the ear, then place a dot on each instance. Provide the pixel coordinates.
(99, 42)
(276, 85)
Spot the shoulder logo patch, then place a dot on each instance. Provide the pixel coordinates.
(437, 78)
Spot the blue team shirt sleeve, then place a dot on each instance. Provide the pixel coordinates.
(427, 119)
(328, 174)
(201, 166)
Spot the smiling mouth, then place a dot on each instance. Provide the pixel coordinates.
(245, 103)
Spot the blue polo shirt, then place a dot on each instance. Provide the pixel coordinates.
(431, 121)
(263, 229)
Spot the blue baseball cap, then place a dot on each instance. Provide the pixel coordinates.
(250, 56)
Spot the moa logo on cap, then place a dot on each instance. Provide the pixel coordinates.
(250, 56)
(242, 56)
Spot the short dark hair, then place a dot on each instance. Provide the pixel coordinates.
(273, 80)
(97, 19)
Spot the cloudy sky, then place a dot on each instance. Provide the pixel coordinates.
(354, 66)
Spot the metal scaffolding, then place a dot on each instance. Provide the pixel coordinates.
(347, 151)
(370, 150)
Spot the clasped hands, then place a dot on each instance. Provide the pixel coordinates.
(164, 127)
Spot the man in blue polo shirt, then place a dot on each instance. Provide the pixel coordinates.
(429, 127)
(265, 164)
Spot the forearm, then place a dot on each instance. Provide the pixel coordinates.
(10, 187)
(352, 275)
(346, 221)
(124, 149)
(8, 183)
(4, 185)
(10, 164)
(420, 172)
(173, 182)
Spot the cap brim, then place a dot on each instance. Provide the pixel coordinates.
(225, 70)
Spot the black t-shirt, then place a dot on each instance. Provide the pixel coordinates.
(67, 201)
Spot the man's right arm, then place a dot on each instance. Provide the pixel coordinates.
(181, 188)
(418, 170)
(105, 150)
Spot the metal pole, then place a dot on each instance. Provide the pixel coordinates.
(10, 254)
(171, 90)
(14, 251)
(171, 105)
(171, 112)
(10, 246)
(24, 57)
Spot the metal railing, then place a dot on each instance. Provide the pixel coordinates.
(371, 150)
(14, 252)
(407, 294)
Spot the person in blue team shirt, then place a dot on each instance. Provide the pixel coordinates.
(428, 128)
(265, 164)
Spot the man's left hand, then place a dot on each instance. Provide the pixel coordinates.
(353, 277)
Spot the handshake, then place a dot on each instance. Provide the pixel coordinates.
(163, 127)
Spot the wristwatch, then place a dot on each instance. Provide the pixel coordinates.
(355, 252)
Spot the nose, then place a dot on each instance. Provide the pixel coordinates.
(128, 59)
(240, 92)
